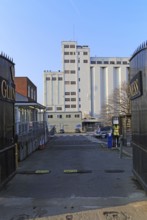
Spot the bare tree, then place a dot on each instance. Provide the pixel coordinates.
(118, 103)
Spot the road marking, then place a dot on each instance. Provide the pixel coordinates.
(42, 171)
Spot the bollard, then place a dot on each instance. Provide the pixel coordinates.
(16, 155)
(120, 141)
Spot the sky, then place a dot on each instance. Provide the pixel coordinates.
(31, 31)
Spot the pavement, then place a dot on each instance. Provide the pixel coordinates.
(130, 211)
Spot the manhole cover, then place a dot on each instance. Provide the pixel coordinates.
(114, 171)
(112, 215)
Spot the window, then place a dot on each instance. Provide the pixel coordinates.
(79, 79)
(99, 62)
(79, 99)
(125, 62)
(85, 61)
(47, 78)
(59, 116)
(85, 53)
(66, 46)
(112, 62)
(106, 62)
(67, 93)
(67, 83)
(67, 99)
(72, 46)
(67, 106)
(66, 71)
(73, 106)
(29, 88)
(68, 116)
(72, 71)
(73, 93)
(118, 62)
(72, 61)
(60, 78)
(93, 62)
(66, 53)
(79, 90)
(66, 61)
(73, 99)
(49, 108)
(71, 53)
(59, 108)
(80, 106)
(77, 116)
(78, 68)
(53, 78)
(50, 116)
(73, 82)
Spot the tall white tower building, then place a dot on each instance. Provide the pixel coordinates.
(76, 66)
(85, 82)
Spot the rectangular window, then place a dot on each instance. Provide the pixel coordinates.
(66, 61)
(50, 116)
(85, 53)
(67, 83)
(93, 62)
(53, 78)
(29, 89)
(49, 108)
(106, 62)
(73, 93)
(73, 82)
(71, 53)
(118, 62)
(67, 71)
(72, 71)
(67, 106)
(59, 108)
(72, 61)
(73, 99)
(125, 62)
(77, 116)
(112, 62)
(66, 53)
(78, 68)
(67, 93)
(73, 106)
(66, 46)
(60, 78)
(47, 78)
(59, 116)
(85, 61)
(99, 62)
(79, 105)
(72, 46)
(68, 116)
(67, 99)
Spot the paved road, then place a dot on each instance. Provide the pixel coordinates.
(99, 179)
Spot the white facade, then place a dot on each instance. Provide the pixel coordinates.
(76, 66)
(85, 83)
(106, 75)
(54, 91)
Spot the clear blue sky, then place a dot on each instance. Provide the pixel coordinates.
(31, 31)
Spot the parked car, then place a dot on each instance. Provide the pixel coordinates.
(61, 131)
(103, 132)
(77, 130)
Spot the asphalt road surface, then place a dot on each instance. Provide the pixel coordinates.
(73, 173)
